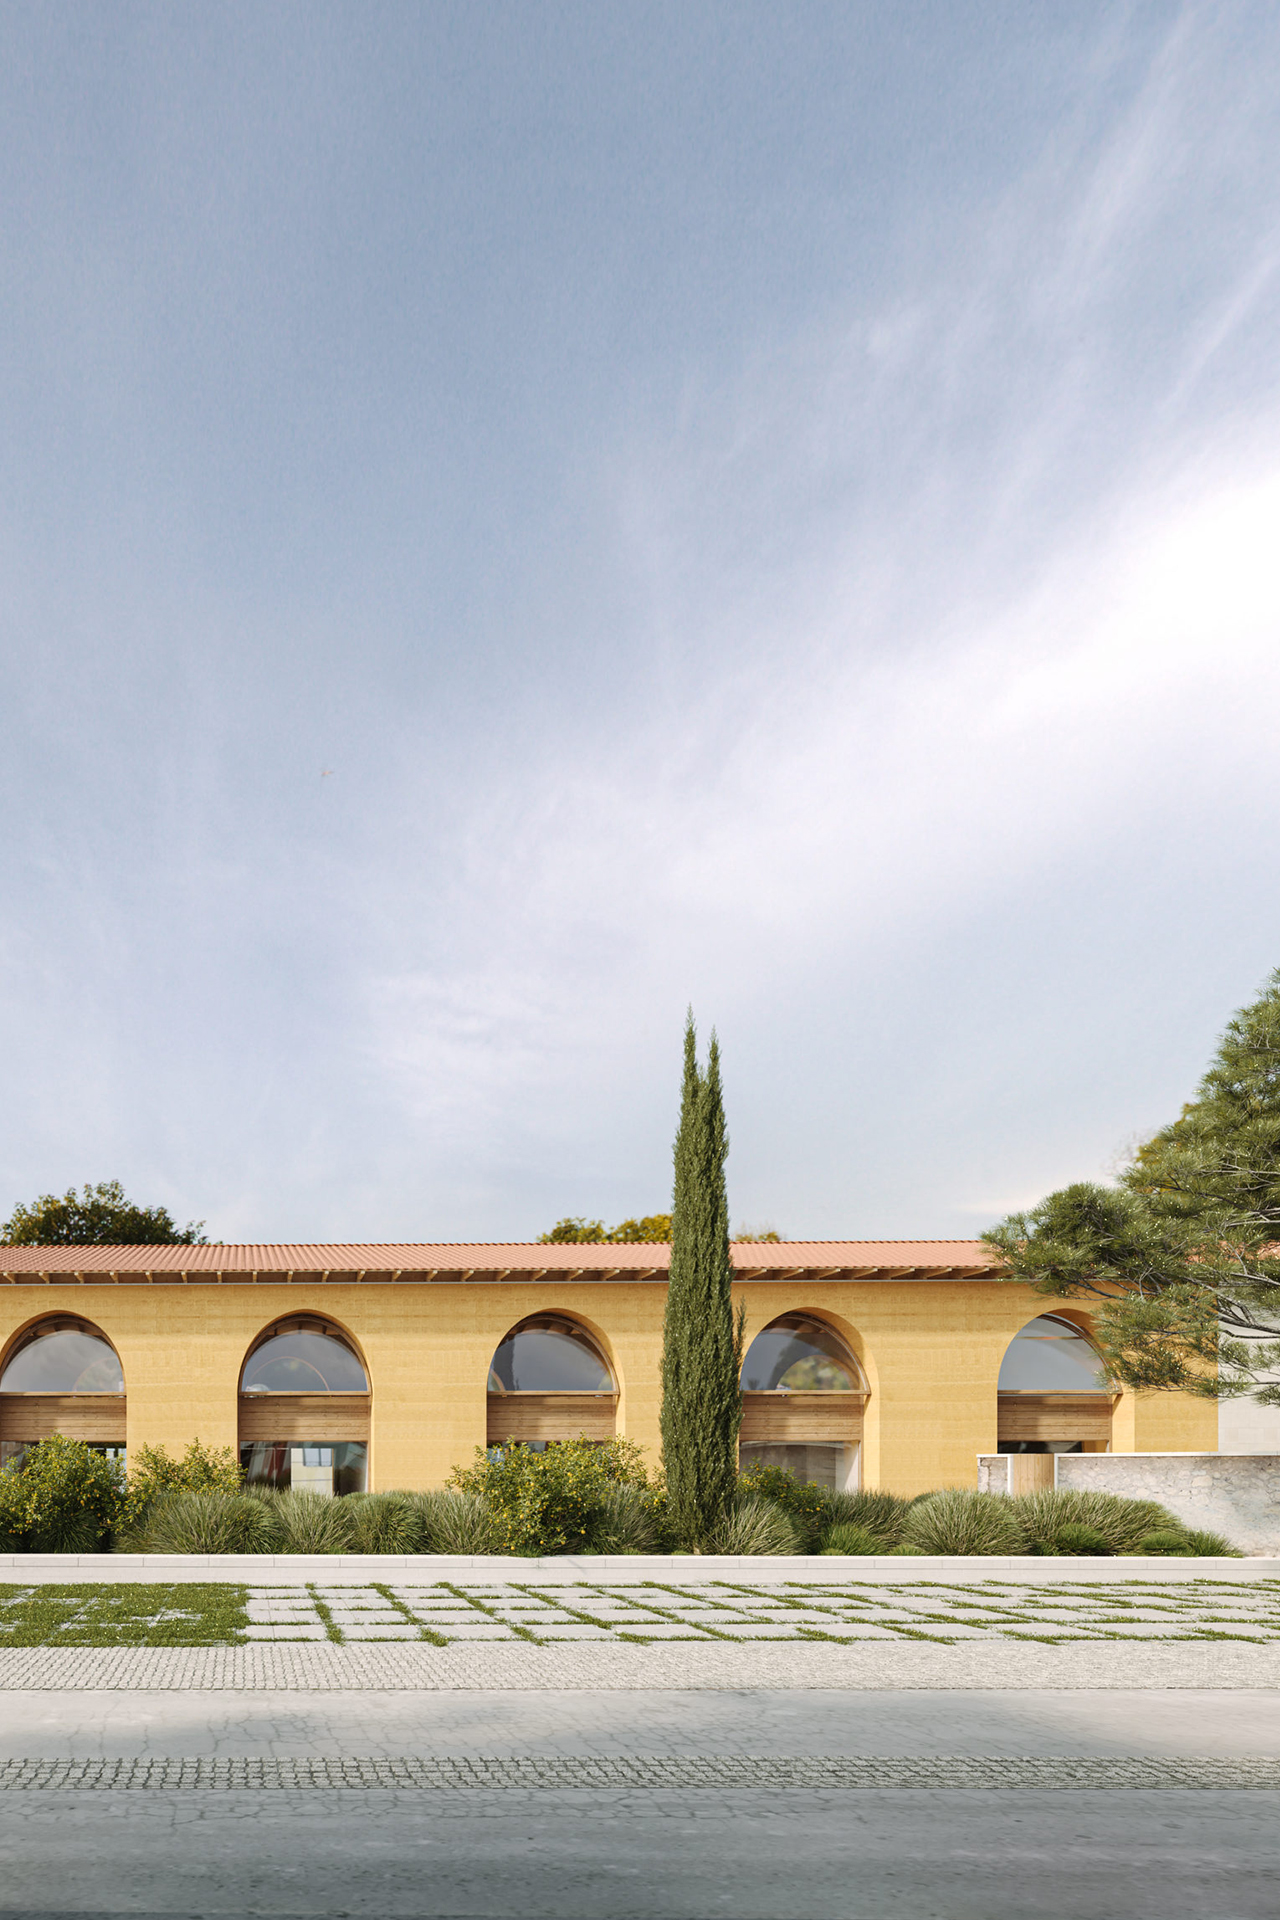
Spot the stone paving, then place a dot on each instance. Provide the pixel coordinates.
(650, 1612)
(714, 1773)
(642, 1613)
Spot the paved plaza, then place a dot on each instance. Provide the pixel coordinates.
(642, 1613)
(726, 1611)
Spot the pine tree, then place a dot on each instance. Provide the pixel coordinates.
(701, 1344)
(1182, 1254)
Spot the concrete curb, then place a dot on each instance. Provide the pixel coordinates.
(339, 1569)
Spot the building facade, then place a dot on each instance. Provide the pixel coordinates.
(877, 1363)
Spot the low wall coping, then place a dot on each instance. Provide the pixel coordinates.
(355, 1569)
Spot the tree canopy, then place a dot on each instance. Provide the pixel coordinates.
(594, 1233)
(651, 1227)
(100, 1216)
(1183, 1253)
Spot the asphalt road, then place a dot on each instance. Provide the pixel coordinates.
(641, 1854)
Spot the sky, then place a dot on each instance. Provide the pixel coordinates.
(519, 520)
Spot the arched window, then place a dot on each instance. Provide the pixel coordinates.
(802, 1399)
(549, 1354)
(304, 1409)
(798, 1354)
(61, 1376)
(1051, 1356)
(549, 1381)
(62, 1356)
(303, 1356)
(1053, 1395)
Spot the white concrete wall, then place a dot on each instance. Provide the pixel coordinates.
(1245, 1427)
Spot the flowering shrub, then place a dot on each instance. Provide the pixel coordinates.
(550, 1502)
(60, 1497)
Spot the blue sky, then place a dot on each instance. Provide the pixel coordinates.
(516, 519)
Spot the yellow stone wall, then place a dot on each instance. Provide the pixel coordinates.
(931, 1351)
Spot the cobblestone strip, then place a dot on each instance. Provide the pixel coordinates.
(1087, 1775)
(889, 1663)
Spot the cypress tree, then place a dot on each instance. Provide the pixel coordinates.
(701, 1344)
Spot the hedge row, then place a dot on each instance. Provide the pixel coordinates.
(574, 1498)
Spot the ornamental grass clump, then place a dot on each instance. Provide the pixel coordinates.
(629, 1520)
(1120, 1523)
(848, 1537)
(1166, 1540)
(60, 1497)
(208, 1523)
(880, 1513)
(154, 1476)
(958, 1521)
(454, 1522)
(1074, 1537)
(548, 1502)
(807, 1505)
(385, 1523)
(310, 1522)
(1214, 1544)
(754, 1525)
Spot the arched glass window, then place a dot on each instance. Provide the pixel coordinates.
(798, 1354)
(1051, 1356)
(549, 1354)
(303, 1356)
(63, 1356)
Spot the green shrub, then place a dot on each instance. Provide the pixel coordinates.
(208, 1522)
(1121, 1523)
(901, 1550)
(755, 1525)
(549, 1502)
(60, 1497)
(309, 1522)
(1199, 1542)
(384, 1523)
(848, 1537)
(880, 1513)
(956, 1520)
(805, 1503)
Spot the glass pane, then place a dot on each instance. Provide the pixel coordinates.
(63, 1363)
(798, 1355)
(1050, 1356)
(303, 1363)
(270, 1463)
(548, 1356)
(822, 1466)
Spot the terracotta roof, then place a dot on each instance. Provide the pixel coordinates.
(903, 1258)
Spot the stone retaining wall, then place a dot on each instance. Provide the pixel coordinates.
(1236, 1494)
